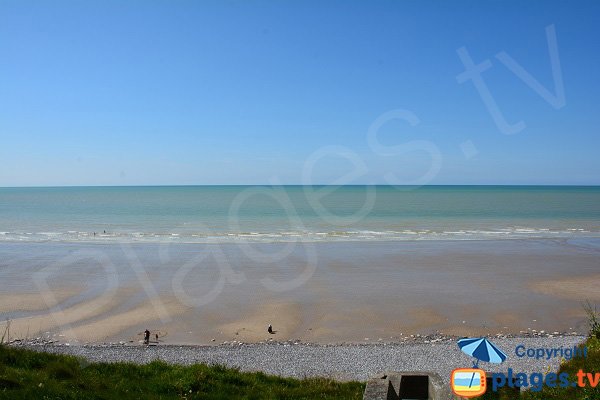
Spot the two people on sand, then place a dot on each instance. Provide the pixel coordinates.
(147, 335)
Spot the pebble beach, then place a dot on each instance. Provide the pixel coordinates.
(344, 361)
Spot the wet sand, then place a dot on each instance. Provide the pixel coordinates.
(315, 292)
(577, 288)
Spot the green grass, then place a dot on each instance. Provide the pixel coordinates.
(27, 374)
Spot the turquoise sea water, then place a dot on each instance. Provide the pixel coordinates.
(189, 214)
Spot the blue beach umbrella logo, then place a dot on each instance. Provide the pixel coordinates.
(471, 382)
(482, 350)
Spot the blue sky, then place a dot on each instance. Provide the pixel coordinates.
(202, 92)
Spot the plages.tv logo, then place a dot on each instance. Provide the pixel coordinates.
(471, 382)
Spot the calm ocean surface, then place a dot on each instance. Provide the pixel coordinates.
(190, 214)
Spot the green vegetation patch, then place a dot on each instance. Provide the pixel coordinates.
(27, 374)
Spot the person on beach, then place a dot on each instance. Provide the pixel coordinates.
(146, 337)
(270, 329)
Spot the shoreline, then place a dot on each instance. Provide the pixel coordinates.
(403, 340)
(561, 236)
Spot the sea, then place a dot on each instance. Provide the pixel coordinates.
(223, 214)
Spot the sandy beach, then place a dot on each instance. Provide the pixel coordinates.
(353, 292)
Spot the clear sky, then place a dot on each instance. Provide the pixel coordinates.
(244, 92)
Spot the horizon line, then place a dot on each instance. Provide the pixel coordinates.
(300, 185)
